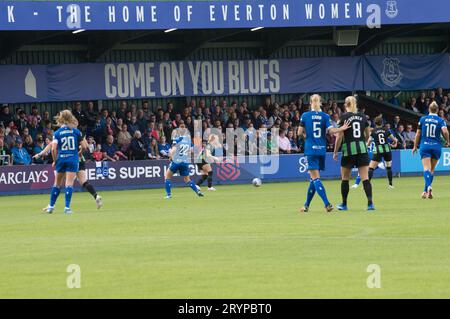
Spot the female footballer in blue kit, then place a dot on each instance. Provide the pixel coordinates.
(316, 124)
(428, 137)
(81, 175)
(180, 157)
(65, 147)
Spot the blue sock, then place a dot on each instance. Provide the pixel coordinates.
(432, 178)
(168, 186)
(69, 191)
(54, 195)
(192, 185)
(428, 179)
(358, 180)
(310, 194)
(320, 189)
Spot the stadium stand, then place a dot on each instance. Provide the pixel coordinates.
(139, 132)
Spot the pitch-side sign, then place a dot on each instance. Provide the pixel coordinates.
(35, 179)
(122, 15)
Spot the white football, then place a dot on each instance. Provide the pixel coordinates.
(257, 182)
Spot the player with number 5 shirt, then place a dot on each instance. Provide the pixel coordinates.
(315, 124)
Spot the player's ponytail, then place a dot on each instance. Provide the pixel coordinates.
(315, 102)
(350, 104)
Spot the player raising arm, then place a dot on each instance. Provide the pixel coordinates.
(428, 140)
(316, 124)
(81, 175)
(354, 151)
(65, 148)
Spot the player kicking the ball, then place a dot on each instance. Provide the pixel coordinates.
(316, 124)
(180, 157)
(428, 136)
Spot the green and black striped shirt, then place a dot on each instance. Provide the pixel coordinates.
(203, 154)
(354, 142)
(380, 137)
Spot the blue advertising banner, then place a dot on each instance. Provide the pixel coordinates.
(406, 72)
(412, 164)
(69, 82)
(121, 15)
(23, 84)
(36, 179)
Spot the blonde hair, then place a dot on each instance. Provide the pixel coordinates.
(433, 107)
(66, 117)
(351, 104)
(211, 138)
(315, 101)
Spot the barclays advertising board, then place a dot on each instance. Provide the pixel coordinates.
(35, 179)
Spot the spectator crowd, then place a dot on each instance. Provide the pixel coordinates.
(137, 133)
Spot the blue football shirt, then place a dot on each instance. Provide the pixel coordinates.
(431, 129)
(183, 146)
(67, 140)
(316, 125)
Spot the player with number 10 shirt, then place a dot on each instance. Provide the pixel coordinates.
(428, 139)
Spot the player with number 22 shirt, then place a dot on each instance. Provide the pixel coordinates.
(180, 157)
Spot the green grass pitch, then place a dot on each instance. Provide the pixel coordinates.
(239, 242)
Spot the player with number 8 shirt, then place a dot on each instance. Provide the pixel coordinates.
(354, 151)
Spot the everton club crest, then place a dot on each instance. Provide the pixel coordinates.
(391, 9)
(391, 75)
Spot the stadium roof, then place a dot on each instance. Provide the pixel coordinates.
(184, 42)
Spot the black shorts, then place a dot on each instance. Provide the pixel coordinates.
(82, 166)
(378, 157)
(200, 165)
(358, 160)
